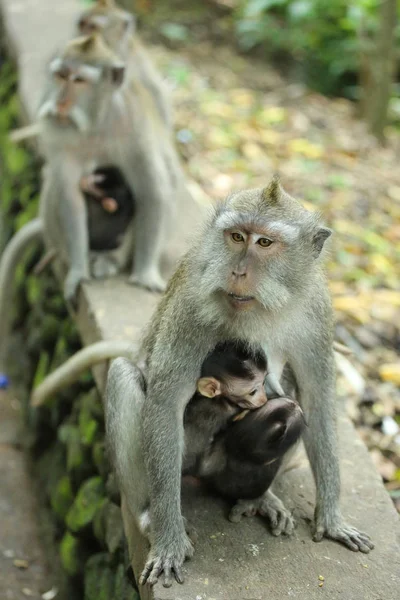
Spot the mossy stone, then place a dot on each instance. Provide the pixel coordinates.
(90, 498)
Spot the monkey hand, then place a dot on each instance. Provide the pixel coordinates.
(337, 530)
(151, 280)
(71, 285)
(167, 559)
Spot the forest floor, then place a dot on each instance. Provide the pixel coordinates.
(237, 120)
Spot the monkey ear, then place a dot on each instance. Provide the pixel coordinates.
(117, 74)
(319, 239)
(209, 387)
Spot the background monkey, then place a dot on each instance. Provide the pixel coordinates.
(253, 274)
(118, 28)
(83, 122)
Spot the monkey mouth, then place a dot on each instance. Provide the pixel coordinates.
(240, 299)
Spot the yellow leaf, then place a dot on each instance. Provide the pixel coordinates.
(394, 192)
(242, 97)
(306, 148)
(252, 151)
(390, 372)
(268, 136)
(272, 115)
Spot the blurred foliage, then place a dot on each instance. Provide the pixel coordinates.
(327, 38)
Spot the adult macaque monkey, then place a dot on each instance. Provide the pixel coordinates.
(118, 28)
(90, 116)
(255, 274)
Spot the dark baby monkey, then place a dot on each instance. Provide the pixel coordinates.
(238, 452)
(232, 378)
(110, 207)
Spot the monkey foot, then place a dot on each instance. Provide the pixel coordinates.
(345, 534)
(151, 281)
(103, 266)
(168, 562)
(71, 286)
(280, 518)
(244, 508)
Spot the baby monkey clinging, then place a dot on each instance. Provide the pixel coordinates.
(238, 452)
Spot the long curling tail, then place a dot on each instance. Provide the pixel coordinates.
(70, 371)
(9, 261)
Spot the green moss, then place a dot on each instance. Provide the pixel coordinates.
(99, 578)
(62, 497)
(71, 554)
(90, 498)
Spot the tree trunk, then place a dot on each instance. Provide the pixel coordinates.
(377, 91)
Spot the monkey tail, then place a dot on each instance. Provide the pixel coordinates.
(70, 371)
(9, 261)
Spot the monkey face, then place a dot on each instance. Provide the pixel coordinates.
(246, 393)
(261, 250)
(82, 81)
(115, 25)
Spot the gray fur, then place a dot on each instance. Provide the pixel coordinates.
(292, 320)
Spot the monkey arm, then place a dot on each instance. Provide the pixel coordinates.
(73, 224)
(9, 261)
(154, 83)
(314, 369)
(69, 372)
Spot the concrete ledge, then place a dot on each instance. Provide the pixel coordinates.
(242, 561)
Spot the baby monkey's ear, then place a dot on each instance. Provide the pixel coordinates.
(209, 387)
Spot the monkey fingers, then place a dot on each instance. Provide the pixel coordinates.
(155, 567)
(246, 508)
(281, 519)
(345, 534)
(88, 185)
(167, 562)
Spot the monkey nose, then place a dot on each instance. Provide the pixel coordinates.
(239, 272)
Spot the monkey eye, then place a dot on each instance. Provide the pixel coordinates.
(79, 79)
(62, 74)
(252, 393)
(237, 237)
(264, 242)
(87, 26)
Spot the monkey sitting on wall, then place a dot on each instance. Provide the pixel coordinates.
(254, 273)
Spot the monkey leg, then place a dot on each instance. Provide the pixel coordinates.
(9, 261)
(268, 505)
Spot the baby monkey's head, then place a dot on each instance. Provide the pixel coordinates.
(235, 371)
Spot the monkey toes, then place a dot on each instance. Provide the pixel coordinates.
(167, 562)
(150, 280)
(103, 266)
(280, 518)
(345, 534)
(71, 285)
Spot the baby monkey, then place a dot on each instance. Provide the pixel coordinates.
(110, 207)
(238, 452)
